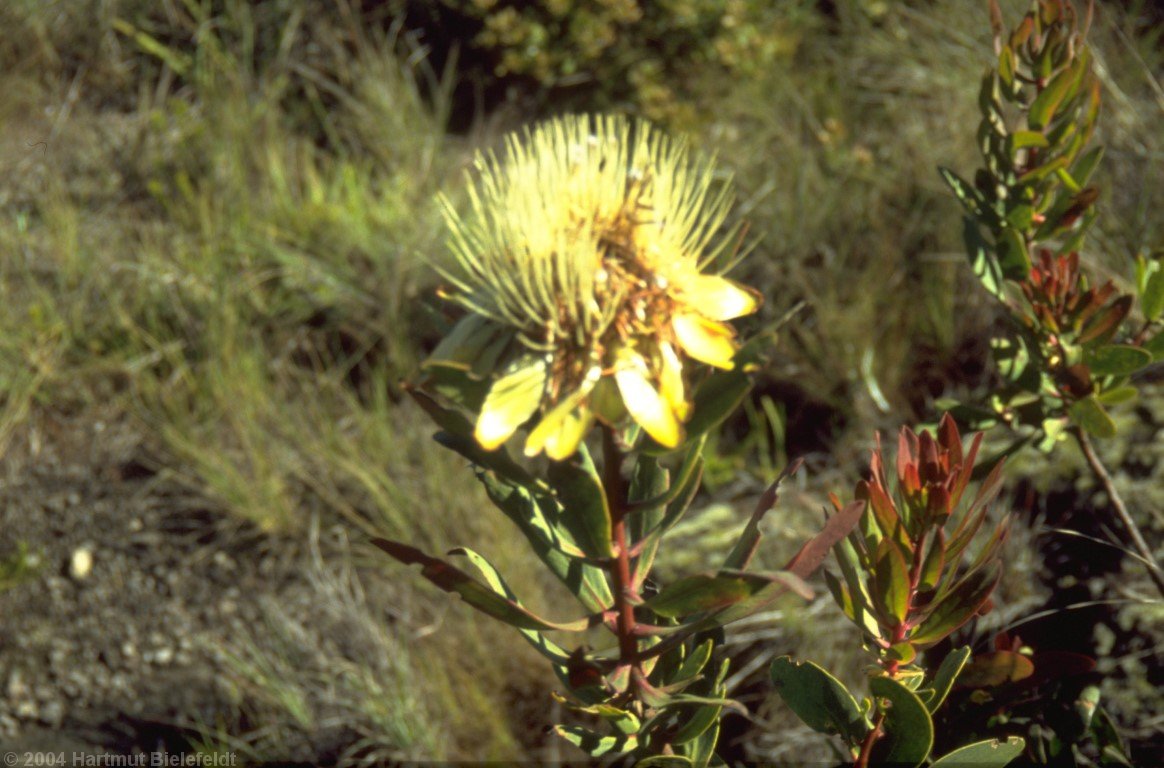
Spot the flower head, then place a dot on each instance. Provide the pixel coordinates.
(581, 261)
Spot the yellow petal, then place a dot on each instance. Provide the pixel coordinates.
(512, 399)
(647, 407)
(671, 381)
(560, 430)
(719, 298)
(705, 340)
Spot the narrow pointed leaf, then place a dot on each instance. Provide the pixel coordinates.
(957, 606)
(745, 548)
(596, 745)
(537, 518)
(547, 648)
(473, 592)
(810, 556)
(585, 511)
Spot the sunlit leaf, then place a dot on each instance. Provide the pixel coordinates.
(996, 668)
(983, 754)
(946, 676)
(481, 597)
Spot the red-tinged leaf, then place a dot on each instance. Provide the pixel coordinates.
(994, 669)
(884, 512)
(956, 606)
(950, 439)
(989, 488)
(907, 451)
(805, 562)
(1056, 665)
(745, 548)
(966, 472)
(1104, 325)
(473, 592)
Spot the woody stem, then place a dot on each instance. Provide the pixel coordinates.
(1121, 510)
(615, 489)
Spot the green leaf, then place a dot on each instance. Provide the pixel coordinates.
(970, 197)
(702, 749)
(547, 648)
(1013, 257)
(946, 675)
(1155, 346)
(684, 486)
(595, 744)
(1118, 395)
(1043, 107)
(706, 592)
(909, 731)
(715, 399)
(819, 699)
(1026, 139)
(585, 512)
(890, 590)
(1086, 164)
(479, 596)
(1041, 172)
(1152, 299)
(665, 761)
(984, 754)
(1117, 360)
(1092, 418)
(537, 518)
(705, 716)
(625, 721)
(955, 608)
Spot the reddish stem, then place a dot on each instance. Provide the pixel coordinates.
(615, 487)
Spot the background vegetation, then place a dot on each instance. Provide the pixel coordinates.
(217, 218)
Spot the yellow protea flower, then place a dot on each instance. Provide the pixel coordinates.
(581, 261)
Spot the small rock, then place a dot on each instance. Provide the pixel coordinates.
(73, 499)
(163, 656)
(52, 714)
(8, 726)
(81, 563)
(128, 650)
(17, 689)
(26, 710)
